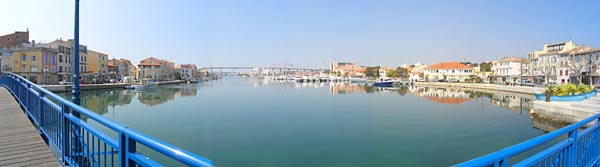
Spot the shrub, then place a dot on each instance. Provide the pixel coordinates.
(568, 89)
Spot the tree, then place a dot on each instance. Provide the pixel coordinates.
(486, 67)
(372, 72)
(402, 72)
(576, 64)
(391, 74)
(177, 76)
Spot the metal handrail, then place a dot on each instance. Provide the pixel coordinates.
(68, 133)
(501, 157)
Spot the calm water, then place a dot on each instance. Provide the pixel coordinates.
(247, 122)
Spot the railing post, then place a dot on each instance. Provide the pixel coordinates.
(126, 146)
(65, 133)
(41, 111)
(572, 156)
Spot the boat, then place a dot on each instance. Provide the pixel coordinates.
(357, 79)
(289, 77)
(384, 83)
(305, 78)
(144, 85)
(579, 97)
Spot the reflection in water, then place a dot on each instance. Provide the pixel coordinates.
(243, 129)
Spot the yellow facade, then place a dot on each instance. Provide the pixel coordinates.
(36, 64)
(97, 64)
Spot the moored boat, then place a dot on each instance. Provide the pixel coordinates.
(145, 84)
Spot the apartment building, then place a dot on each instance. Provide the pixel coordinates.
(39, 65)
(448, 71)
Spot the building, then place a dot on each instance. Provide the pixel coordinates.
(65, 58)
(10, 42)
(113, 71)
(507, 70)
(155, 68)
(124, 69)
(416, 72)
(448, 71)
(345, 68)
(14, 40)
(187, 71)
(544, 64)
(383, 71)
(39, 65)
(98, 65)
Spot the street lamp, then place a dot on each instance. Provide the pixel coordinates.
(46, 75)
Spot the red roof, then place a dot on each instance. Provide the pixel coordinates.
(449, 65)
(448, 100)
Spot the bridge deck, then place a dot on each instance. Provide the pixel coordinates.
(20, 143)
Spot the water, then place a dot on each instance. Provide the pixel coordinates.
(248, 122)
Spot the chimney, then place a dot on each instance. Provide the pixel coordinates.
(32, 43)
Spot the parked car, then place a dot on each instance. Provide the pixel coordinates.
(442, 80)
(453, 80)
(527, 83)
(65, 82)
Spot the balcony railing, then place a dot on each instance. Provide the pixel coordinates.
(579, 148)
(80, 143)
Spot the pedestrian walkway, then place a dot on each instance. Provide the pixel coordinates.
(20, 143)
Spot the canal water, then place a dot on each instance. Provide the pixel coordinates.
(244, 122)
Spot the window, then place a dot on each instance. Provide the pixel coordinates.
(33, 69)
(566, 72)
(46, 59)
(23, 68)
(60, 58)
(53, 59)
(60, 69)
(33, 57)
(561, 72)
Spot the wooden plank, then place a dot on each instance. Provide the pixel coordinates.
(20, 142)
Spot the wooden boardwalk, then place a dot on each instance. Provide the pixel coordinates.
(20, 143)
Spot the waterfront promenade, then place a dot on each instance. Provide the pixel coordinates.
(505, 88)
(20, 143)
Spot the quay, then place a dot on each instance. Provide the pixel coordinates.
(67, 88)
(505, 88)
(20, 142)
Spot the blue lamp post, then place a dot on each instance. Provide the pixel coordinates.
(76, 91)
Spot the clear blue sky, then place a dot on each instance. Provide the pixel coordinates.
(308, 33)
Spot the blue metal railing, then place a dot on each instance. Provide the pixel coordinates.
(81, 144)
(580, 148)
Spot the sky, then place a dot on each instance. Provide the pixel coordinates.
(309, 33)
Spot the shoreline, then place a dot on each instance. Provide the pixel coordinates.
(560, 112)
(514, 89)
(83, 87)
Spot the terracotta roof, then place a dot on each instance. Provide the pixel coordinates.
(510, 59)
(448, 100)
(580, 49)
(449, 65)
(149, 64)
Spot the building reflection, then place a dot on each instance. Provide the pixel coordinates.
(442, 95)
(342, 89)
(166, 93)
(100, 101)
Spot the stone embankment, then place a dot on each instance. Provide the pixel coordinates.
(504, 88)
(67, 88)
